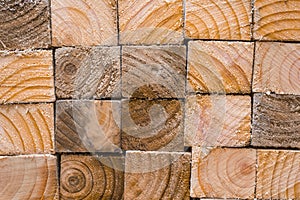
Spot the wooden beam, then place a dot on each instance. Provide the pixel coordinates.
(88, 126)
(26, 129)
(278, 175)
(28, 177)
(276, 68)
(142, 22)
(25, 24)
(86, 23)
(218, 19)
(87, 73)
(277, 20)
(152, 125)
(222, 67)
(223, 173)
(157, 175)
(26, 77)
(275, 121)
(217, 120)
(91, 177)
(153, 72)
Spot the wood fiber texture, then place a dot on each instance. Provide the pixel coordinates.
(277, 20)
(24, 24)
(218, 19)
(91, 177)
(28, 177)
(219, 67)
(153, 72)
(87, 126)
(217, 120)
(26, 129)
(157, 175)
(149, 99)
(85, 73)
(223, 173)
(26, 76)
(84, 22)
(152, 125)
(151, 22)
(276, 121)
(278, 175)
(277, 68)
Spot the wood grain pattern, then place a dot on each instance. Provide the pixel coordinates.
(24, 24)
(277, 20)
(218, 19)
(153, 72)
(87, 126)
(26, 77)
(151, 22)
(152, 125)
(223, 173)
(222, 67)
(277, 68)
(26, 129)
(157, 175)
(91, 177)
(276, 121)
(278, 175)
(85, 73)
(217, 120)
(28, 177)
(84, 22)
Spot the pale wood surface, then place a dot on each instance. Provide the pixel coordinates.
(277, 68)
(24, 24)
(217, 120)
(277, 20)
(87, 126)
(26, 77)
(223, 173)
(151, 22)
(278, 175)
(26, 129)
(91, 177)
(28, 177)
(152, 125)
(218, 19)
(87, 73)
(276, 121)
(84, 22)
(153, 72)
(157, 175)
(223, 67)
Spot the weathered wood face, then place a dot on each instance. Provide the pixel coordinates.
(275, 119)
(87, 72)
(24, 24)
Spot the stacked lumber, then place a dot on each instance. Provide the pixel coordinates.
(149, 99)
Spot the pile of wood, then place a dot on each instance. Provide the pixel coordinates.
(149, 99)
